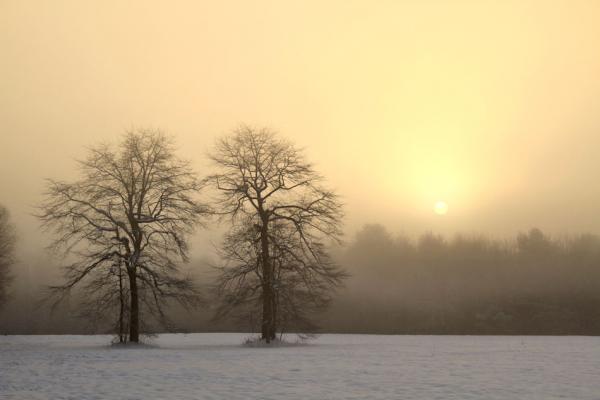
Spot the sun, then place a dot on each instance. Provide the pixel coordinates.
(440, 207)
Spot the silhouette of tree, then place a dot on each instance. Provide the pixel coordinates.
(7, 248)
(302, 286)
(133, 208)
(280, 215)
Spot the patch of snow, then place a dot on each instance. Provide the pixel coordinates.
(220, 366)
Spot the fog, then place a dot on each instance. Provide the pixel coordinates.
(490, 107)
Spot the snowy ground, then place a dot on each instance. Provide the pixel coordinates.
(216, 366)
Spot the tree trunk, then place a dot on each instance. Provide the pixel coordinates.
(273, 332)
(134, 314)
(266, 315)
(121, 308)
(267, 327)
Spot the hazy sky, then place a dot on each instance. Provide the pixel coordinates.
(492, 107)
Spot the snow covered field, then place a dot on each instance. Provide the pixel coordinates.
(217, 366)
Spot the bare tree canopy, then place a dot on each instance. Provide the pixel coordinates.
(131, 211)
(7, 248)
(281, 214)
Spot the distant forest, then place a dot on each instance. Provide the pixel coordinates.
(531, 285)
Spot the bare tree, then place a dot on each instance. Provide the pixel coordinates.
(302, 285)
(7, 247)
(280, 214)
(134, 207)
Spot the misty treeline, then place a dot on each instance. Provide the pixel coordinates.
(470, 284)
(123, 230)
(7, 252)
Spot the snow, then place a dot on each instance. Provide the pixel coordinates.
(218, 366)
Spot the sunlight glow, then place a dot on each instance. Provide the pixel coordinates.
(440, 208)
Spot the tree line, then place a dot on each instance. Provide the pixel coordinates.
(532, 283)
(7, 250)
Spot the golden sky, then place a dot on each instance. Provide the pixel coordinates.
(492, 107)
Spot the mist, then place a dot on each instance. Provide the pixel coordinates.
(490, 108)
